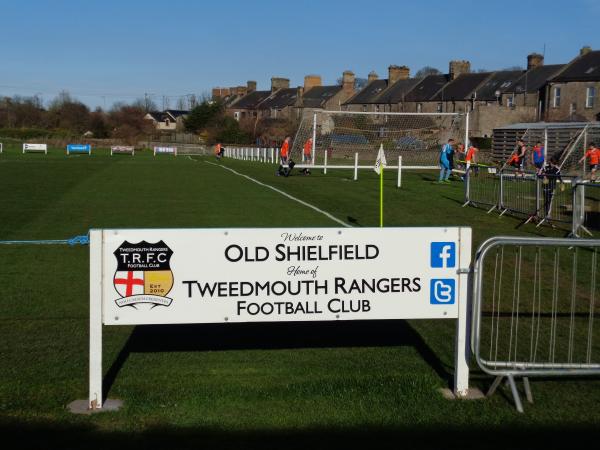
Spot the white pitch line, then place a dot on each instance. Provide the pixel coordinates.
(285, 194)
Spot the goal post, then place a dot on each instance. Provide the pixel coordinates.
(335, 137)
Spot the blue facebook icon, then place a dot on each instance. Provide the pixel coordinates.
(442, 291)
(443, 254)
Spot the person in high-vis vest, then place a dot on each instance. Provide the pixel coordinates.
(307, 153)
(471, 159)
(593, 154)
(285, 150)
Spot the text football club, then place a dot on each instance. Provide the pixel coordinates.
(247, 275)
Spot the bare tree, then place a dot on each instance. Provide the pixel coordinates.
(427, 70)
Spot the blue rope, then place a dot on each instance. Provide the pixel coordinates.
(82, 240)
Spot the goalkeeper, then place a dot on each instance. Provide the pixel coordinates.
(445, 157)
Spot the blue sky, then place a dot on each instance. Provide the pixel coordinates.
(104, 51)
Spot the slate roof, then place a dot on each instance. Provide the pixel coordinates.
(427, 88)
(369, 93)
(252, 100)
(316, 96)
(175, 113)
(533, 80)
(280, 99)
(496, 82)
(156, 115)
(461, 87)
(396, 93)
(583, 68)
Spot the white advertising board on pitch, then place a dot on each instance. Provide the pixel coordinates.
(122, 149)
(165, 150)
(257, 275)
(35, 148)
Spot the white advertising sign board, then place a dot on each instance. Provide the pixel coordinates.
(122, 149)
(35, 148)
(167, 150)
(258, 275)
(175, 276)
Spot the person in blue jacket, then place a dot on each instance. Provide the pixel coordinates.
(445, 157)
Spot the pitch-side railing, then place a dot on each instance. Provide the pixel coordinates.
(535, 303)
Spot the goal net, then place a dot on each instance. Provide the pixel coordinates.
(339, 135)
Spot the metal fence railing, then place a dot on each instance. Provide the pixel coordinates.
(586, 208)
(542, 199)
(259, 154)
(535, 303)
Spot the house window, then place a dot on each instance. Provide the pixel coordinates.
(510, 101)
(556, 101)
(589, 97)
(439, 107)
(376, 108)
(364, 108)
(236, 115)
(419, 107)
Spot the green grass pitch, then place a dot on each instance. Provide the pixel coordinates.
(284, 385)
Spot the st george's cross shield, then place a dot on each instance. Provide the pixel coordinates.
(143, 274)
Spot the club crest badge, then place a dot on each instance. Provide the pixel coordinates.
(143, 274)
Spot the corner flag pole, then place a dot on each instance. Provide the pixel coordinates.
(380, 162)
(381, 196)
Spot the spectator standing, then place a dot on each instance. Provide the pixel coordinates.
(537, 156)
(593, 155)
(551, 175)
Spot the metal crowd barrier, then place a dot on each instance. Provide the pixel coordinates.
(542, 199)
(586, 208)
(534, 308)
(482, 187)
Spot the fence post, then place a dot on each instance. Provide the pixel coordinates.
(467, 179)
(272, 155)
(538, 199)
(545, 144)
(501, 194)
(325, 163)
(95, 375)
(467, 132)
(399, 182)
(314, 137)
(462, 350)
(355, 166)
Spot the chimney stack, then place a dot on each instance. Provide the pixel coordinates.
(457, 67)
(372, 76)
(396, 73)
(310, 81)
(534, 60)
(348, 81)
(251, 86)
(279, 83)
(585, 50)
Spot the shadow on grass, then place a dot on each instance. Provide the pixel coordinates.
(49, 435)
(274, 336)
